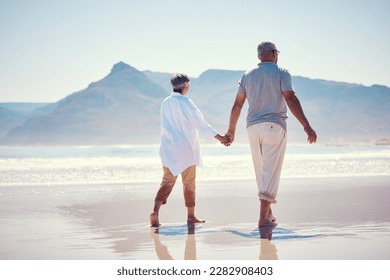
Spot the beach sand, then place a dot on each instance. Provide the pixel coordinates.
(318, 219)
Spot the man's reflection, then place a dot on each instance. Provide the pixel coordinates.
(162, 251)
(267, 248)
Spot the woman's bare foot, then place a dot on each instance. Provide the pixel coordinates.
(267, 223)
(154, 220)
(194, 220)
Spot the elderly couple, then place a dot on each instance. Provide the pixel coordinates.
(268, 89)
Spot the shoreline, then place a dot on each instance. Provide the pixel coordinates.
(201, 179)
(321, 219)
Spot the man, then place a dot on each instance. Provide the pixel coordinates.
(181, 124)
(268, 89)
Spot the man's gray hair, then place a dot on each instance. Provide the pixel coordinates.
(178, 81)
(265, 47)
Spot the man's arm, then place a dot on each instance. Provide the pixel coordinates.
(234, 116)
(296, 109)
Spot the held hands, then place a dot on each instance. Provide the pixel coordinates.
(229, 135)
(223, 139)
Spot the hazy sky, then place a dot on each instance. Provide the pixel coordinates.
(50, 49)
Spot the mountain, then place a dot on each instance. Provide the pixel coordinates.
(8, 120)
(123, 108)
(342, 111)
(15, 114)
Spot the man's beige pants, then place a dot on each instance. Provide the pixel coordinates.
(268, 145)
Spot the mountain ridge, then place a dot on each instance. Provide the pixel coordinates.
(123, 108)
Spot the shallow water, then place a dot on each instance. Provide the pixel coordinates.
(326, 221)
(26, 166)
(94, 203)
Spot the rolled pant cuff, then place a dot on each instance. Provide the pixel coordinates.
(267, 198)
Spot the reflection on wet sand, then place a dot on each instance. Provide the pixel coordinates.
(126, 236)
(190, 249)
(268, 250)
(162, 250)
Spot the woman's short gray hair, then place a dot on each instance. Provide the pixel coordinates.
(265, 47)
(178, 81)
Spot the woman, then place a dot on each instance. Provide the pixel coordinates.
(181, 123)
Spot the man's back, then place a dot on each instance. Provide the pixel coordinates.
(263, 88)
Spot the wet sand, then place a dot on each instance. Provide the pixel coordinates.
(318, 219)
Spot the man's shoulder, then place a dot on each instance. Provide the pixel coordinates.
(252, 70)
(261, 68)
(249, 73)
(264, 66)
(283, 70)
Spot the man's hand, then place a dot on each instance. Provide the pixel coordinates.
(230, 136)
(223, 139)
(295, 107)
(311, 135)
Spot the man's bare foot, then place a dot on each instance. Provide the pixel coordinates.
(267, 223)
(194, 220)
(154, 220)
(271, 216)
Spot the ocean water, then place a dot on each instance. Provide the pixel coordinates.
(95, 165)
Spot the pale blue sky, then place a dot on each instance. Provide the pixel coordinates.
(50, 49)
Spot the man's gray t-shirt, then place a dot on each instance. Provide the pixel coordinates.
(263, 87)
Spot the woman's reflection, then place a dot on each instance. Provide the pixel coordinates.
(162, 251)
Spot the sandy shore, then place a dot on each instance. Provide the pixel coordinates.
(319, 219)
